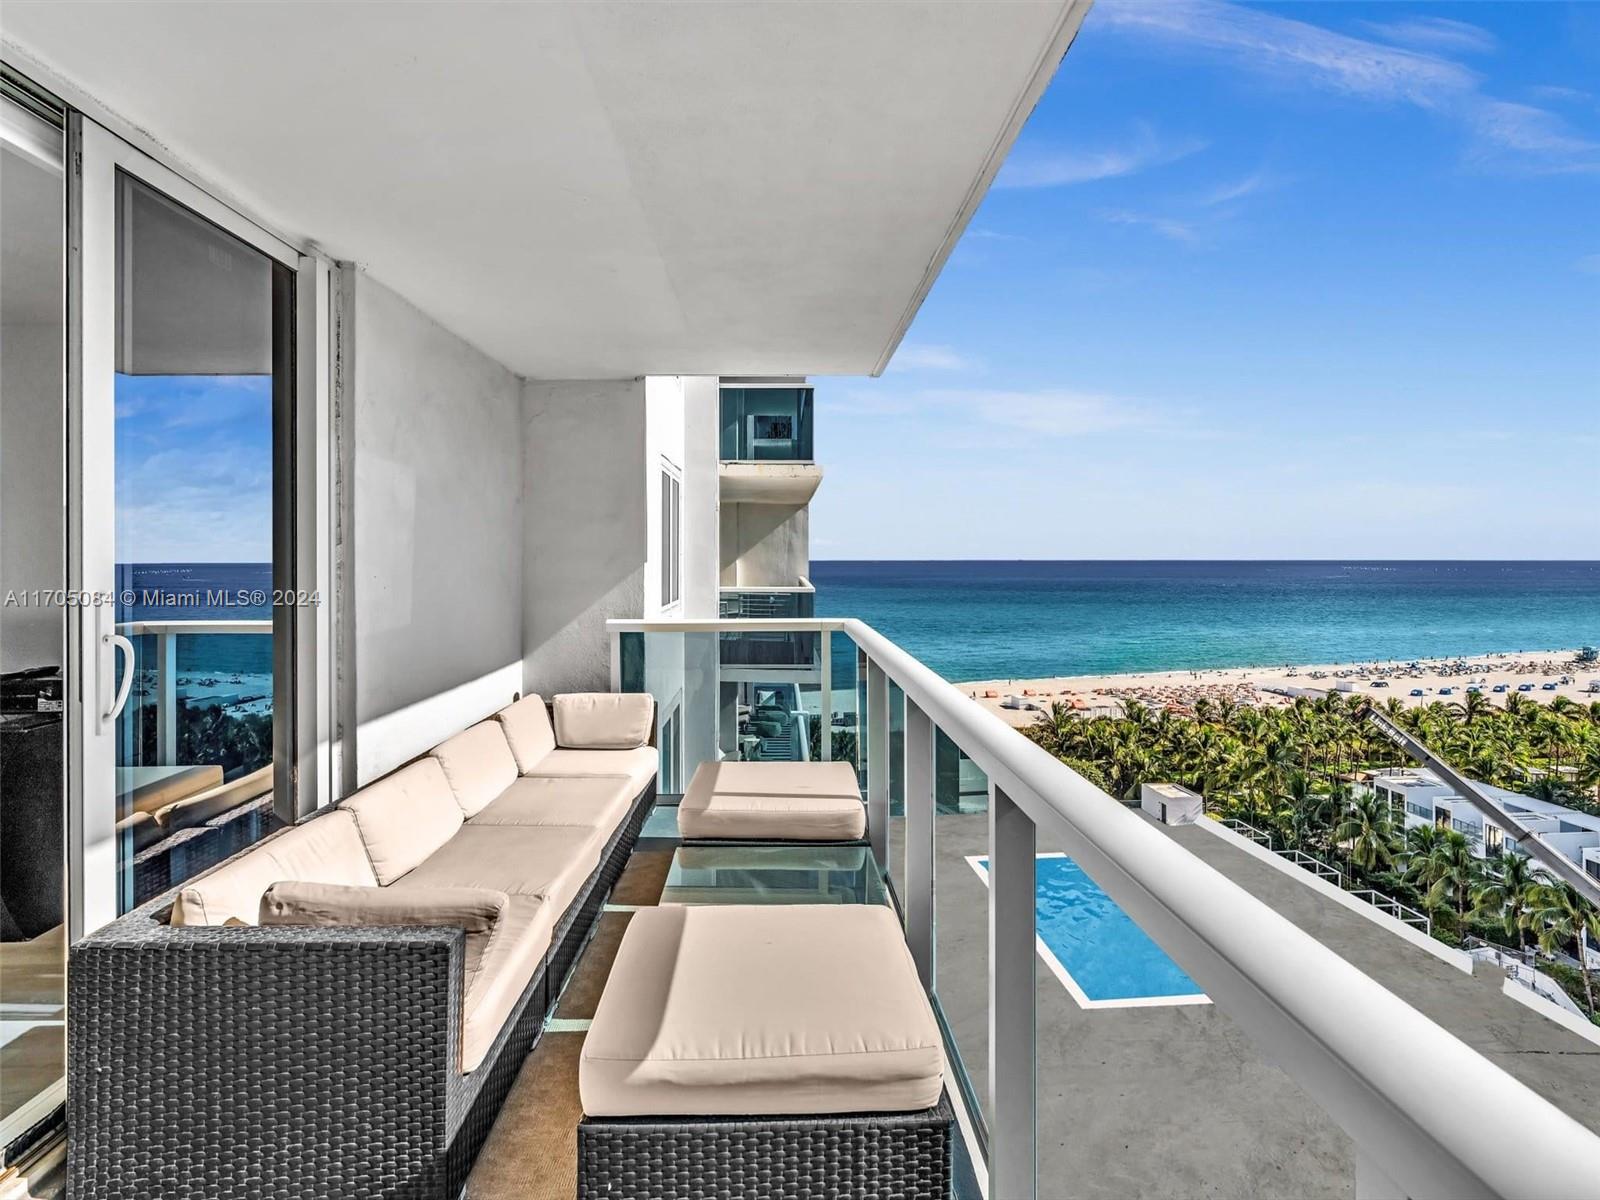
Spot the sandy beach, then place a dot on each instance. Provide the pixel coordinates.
(1423, 681)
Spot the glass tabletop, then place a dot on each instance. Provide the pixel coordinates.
(773, 874)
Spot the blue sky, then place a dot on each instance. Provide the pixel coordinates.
(1260, 281)
(194, 468)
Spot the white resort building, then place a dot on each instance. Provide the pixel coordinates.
(425, 772)
(1425, 799)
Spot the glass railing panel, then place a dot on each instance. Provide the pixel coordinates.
(766, 424)
(843, 721)
(961, 916)
(797, 651)
(897, 785)
(680, 671)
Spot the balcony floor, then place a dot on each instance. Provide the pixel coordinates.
(1176, 1101)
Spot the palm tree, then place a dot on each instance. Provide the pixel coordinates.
(1453, 870)
(1562, 917)
(1420, 843)
(1472, 707)
(1506, 893)
(1366, 833)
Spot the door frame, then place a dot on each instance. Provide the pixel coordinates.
(301, 505)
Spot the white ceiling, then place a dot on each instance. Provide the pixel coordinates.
(591, 189)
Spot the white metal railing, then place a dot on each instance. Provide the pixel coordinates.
(1310, 862)
(1403, 913)
(1429, 1115)
(167, 634)
(1244, 829)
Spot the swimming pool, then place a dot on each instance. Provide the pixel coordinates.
(1100, 956)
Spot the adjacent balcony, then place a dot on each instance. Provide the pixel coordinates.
(766, 424)
(766, 446)
(1188, 1032)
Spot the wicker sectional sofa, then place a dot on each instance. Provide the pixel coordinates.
(340, 1009)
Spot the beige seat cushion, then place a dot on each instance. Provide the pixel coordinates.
(324, 849)
(724, 1010)
(478, 764)
(513, 956)
(528, 731)
(593, 801)
(404, 817)
(547, 861)
(773, 801)
(506, 938)
(638, 765)
(604, 720)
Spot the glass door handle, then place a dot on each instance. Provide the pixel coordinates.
(117, 642)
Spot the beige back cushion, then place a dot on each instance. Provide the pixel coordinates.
(527, 728)
(604, 720)
(326, 849)
(478, 764)
(405, 817)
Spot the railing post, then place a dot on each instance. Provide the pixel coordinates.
(919, 882)
(825, 648)
(878, 763)
(1013, 1064)
(166, 699)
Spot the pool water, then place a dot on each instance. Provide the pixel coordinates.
(1102, 958)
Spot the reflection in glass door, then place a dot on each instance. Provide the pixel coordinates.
(187, 466)
(32, 628)
(195, 389)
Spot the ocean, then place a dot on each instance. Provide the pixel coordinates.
(233, 670)
(1028, 620)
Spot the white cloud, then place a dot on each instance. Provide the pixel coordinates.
(1270, 42)
(1168, 227)
(1043, 412)
(1435, 33)
(924, 356)
(1510, 135)
(1589, 263)
(1035, 167)
(1533, 131)
(1238, 189)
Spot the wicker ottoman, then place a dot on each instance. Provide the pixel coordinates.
(763, 1051)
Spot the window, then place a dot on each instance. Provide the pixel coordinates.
(1493, 838)
(671, 534)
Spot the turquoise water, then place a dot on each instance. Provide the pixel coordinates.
(1020, 620)
(1096, 943)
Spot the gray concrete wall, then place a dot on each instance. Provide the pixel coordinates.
(435, 513)
(585, 535)
(31, 455)
(700, 520)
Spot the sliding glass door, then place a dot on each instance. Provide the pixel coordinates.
(184, 537)
(32, 624)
